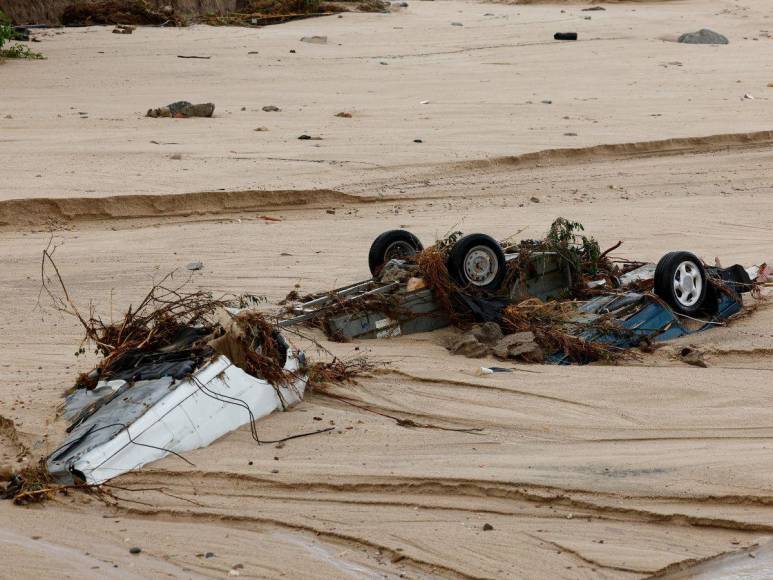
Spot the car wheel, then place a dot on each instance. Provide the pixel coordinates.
(477, 260)
(390, 245)
(680, 280)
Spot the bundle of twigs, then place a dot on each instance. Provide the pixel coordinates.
(336, 372)
(554, 331)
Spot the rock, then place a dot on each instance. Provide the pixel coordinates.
(487, 527)
(182, 110)
(305, 137)
(693, 357)
(344, 115)
(534, 199)
(195, 265)
(593, 9)
(703, 36)
(519, 345)
(123, 29)
(469, 346)
(418, 141)
(135, 550)
(488, 333)
(457, 24)
(314, 39)
(271, 109)
(176, 157)
(261, 128)
(209, 555)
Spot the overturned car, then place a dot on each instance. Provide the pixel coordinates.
(606, 305)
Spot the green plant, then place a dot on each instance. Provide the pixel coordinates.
(6, 32)
(583, 252)
(21, 51)
(17, 50)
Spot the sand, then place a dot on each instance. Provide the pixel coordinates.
(629, 471)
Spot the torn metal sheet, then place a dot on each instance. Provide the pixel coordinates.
(133, 426)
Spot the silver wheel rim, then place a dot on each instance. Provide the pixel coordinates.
(399, 249)
(481, 265)
(688, 283)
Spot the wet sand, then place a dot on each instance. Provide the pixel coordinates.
(627, 471)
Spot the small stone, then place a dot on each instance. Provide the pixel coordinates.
(519, 345)
(693, 357)
(271, 109)
(209, 555)
(260, 129)
(703, 36)
(418, 141)
(468, 345)
(176, 157)
(488, 333)
(195, 265)
(292, 51)
(135, 550)
(487, 527)
(330, 211)
(457, 24)
(534, 199)
(344, 115)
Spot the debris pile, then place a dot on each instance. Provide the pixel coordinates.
(176, 372)
(560, 299)
(96, 12)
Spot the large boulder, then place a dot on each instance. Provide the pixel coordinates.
(703, 36)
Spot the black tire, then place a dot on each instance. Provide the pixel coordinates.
(390, 245)
(490, 265)
(687, 296)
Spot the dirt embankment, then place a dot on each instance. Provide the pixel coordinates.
(50, 11)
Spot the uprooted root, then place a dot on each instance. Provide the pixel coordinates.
(322, 375)
(433, 268)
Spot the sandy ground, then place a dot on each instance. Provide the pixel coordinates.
(628, 471)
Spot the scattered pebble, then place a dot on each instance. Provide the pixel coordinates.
(135, 550)
(271, 109)
(344, 115)
(261, 128)
(534, 199)
(195, 265)
(487, 527)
